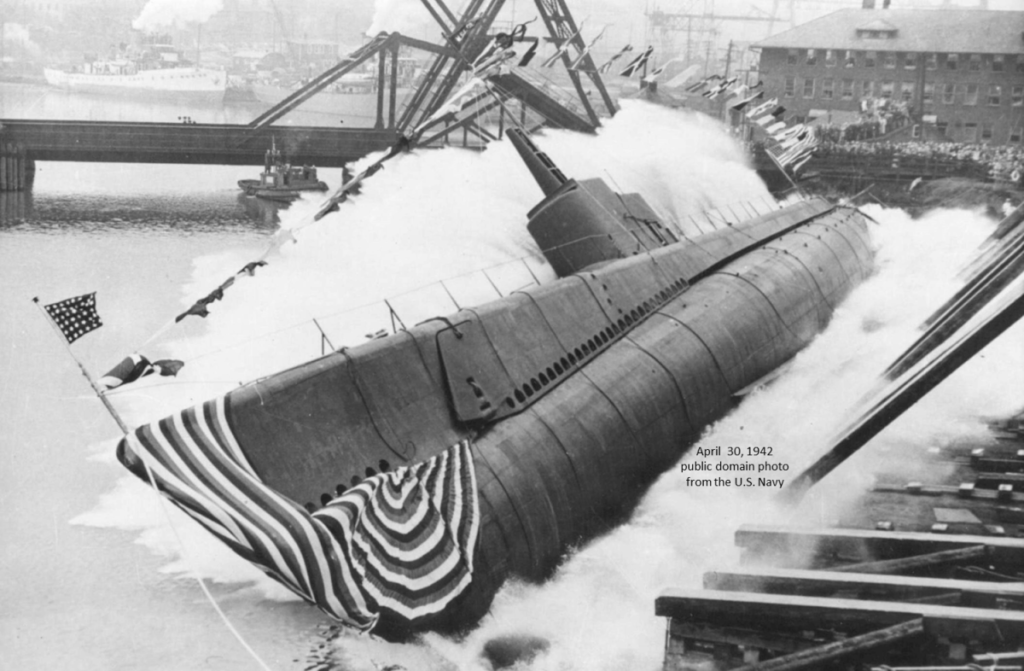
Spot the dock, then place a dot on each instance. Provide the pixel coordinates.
(923, 574)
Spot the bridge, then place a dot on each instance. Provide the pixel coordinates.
(121, 142)
(511, 97)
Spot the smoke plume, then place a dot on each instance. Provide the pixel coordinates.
(159, 14)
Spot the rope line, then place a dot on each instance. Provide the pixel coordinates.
(213, 602)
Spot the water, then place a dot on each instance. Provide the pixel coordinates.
(100, 575)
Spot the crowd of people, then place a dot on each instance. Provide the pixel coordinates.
(999, 162)
(878, 116)
(881, 116)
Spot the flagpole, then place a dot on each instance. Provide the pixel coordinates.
(92, 383)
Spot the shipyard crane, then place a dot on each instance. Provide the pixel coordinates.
(466, 35)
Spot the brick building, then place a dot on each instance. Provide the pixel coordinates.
(960, 71)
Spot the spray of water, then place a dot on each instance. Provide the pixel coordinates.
(432, 215)
(158, 14)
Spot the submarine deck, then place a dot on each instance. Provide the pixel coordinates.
(920, 574)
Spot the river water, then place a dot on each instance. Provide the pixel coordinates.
(99, 575)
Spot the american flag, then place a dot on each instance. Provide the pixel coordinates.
(75, 316)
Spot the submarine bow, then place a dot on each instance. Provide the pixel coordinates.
(398, 483)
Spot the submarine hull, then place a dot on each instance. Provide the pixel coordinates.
(397, 484)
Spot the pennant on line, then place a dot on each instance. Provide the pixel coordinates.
(637, 63)
(137, 366)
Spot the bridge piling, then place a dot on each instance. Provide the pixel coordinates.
(16, 168)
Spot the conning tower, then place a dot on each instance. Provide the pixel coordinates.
(580, 224)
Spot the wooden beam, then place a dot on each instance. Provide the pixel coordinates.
(915, 562)
(998, 465)
(969, 667)
(993, 480)
(797, 545)
(801, 613)
(749, 638)
(814, 658)
(975, 593)
(999, 656)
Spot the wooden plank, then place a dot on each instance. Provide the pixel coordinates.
(975, 593)
(993, 480)
(999, 465)
(748, 638)
(916, 562)
(796, 545)
(815, 657)
(917, 489)
(970, 667)
(798, 613)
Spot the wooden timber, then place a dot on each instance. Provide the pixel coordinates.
(945, 549)
(792, 543)
(813, 658)
(973, 593)
(851, 616)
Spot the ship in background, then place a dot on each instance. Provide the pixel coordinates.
(155, 69)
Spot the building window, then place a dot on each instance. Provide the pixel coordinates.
(986, 131)
(952, 61)
(974, 64)
(909, 61)
(887, 89)
(889, 59)
(928, 93)
(1015, 134)
(791, 57)
(1020, 64)
(809, 88)
(907, 91)
(827, 88)
(995, 95)
(970, 132)
(867, 89)
(940, 127)
(812, 57)
(789, 87)
(849, 60)
(830, 58)
(847, 89)
(869, 58)
(931, 61)
(997, 63)
(971, 97)
(948, 94)
(1017, 96)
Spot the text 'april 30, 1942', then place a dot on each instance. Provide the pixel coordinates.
(734, 466)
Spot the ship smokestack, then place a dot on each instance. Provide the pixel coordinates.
(548, 176)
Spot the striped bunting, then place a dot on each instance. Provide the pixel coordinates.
(401, 540)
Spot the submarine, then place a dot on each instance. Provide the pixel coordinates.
(397, 484)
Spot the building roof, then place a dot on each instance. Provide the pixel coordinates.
(928, 30)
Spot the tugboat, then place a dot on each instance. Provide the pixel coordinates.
(281, 181)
